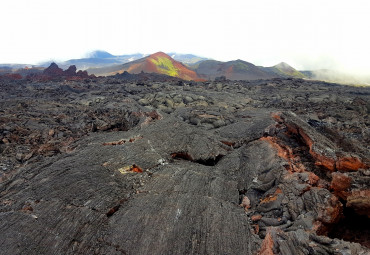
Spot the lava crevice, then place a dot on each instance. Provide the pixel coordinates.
(210, 161)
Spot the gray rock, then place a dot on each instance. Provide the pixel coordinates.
(195, 121)
(219, 123)
(143, 101)
(188, 99)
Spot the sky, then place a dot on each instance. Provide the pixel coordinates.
(305, 34)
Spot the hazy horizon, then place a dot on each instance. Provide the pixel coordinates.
(306, 35)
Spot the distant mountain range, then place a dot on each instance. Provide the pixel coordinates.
(97, 59)
(184, 66)
(187, 59)
(199, 69)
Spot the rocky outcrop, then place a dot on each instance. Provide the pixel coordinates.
(54, 72)
(71, 71)
(324, 151)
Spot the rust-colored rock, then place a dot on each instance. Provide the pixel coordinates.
(51, 132)
(231, 144)
(286, 153)
(256, 228)
(150, 117)
(268, 199)
(27, 208)
(136, 169)
(282, 152)
(267, 247)
(340, 184)
(349, 164)
(246, 203)
(256, 217)
(313, 179)
(321, 159)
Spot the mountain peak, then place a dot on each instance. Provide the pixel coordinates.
(100, 54)
(286, 69)
(283, 65)
(160, 54)
(158, 62)
(162, 63)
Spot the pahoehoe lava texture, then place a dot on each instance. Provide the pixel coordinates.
(126, 166)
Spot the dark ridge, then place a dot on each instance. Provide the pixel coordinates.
(182, 155)
(314, 123)
(210, 161)
(206, 162)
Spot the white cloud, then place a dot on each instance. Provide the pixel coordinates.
(309, 34)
